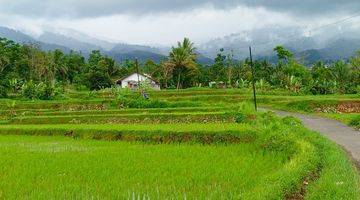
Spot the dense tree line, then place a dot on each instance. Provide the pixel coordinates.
(27, 69)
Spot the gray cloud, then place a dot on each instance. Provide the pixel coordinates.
(308, 7)
(98, 8)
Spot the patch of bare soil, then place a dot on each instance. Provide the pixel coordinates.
(349, 107)
(341, 107)
(301, 192)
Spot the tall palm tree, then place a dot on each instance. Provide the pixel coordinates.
(4, 58)
(341, 73)
(182, 59)
(355, 62)
(58, 65)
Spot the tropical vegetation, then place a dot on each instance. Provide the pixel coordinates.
(35, 74)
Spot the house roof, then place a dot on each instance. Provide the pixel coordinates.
(145, 75)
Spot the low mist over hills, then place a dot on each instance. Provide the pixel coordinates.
(52, 41)
(22, 38)
(307, 46)
(72, 43)
(325, 45)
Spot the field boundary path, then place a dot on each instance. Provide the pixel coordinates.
(346, 136)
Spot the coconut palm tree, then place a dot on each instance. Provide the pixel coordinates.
(341, 74)
(4, 58)
(182, 59)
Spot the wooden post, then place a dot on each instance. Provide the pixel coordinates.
(253, 78)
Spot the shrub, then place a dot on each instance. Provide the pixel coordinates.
(3, 92)
(240, 118)
(241, 84)
(28, 90)
(43, 91)
(11, 107)
(280, 143)
(292, 121)
(262, 85)
(46, 91)
(268, 118)
(355, 122)
(323, 87)
(130, 99)
(307, 106)
(133, 99)
(98, 80)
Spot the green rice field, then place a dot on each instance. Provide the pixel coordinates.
(187, 144)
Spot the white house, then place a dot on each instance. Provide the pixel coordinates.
(131, 81)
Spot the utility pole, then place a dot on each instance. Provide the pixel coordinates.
(253, 78)
(137, 71)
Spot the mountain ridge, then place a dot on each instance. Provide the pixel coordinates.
(308, 49)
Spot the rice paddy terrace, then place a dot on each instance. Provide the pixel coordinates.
(190, 144)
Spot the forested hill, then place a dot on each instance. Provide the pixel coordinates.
(52, 41)
(22, 38)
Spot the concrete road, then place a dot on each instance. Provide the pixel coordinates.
(347, 137)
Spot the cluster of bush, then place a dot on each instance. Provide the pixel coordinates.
(33, 91)
(275, 140)
(43, 91)
(355, 122)
(126, 98)
(137, 101)
(3, 92)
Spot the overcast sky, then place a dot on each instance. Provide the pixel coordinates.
(167, 21)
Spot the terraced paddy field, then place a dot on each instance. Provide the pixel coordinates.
(191, 144)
